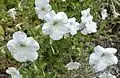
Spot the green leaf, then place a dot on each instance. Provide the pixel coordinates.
(1, 31)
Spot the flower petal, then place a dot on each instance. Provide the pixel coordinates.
(19, 37)
(100, 66)
(46, 29)
(110, 59)
(32, 44)
(61, 16)
(73, 65)
(94, 58)
(56, 35)
(49, 17)
(11, 46)
(41, 2)
(110, 50)
(98, 49)
(31, 56)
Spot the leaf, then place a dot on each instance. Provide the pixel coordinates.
(1, 31)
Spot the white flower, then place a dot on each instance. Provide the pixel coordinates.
(23, 48)
(12, 12)
(42, 8)
(55, 26)
(14, 72)
(87, 25)
(73, 26)
(102, 57)
(86, 16)
(107, 75)
(104, 14)
(73, 65)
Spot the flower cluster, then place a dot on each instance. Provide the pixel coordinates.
(58, 24)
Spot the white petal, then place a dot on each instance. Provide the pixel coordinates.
(100, 66)
(91, 27)
(62, 29)
(104, 14)
(73, 65)
(32, 44)
(85, 12)
(11, 46)
(41, 2)
(56, 34)
(73, 26)
(46, 29)
(98, 49)
(110, 59)
(23, 56)
(110, 50)
(49, 17)
(20, 56)
(72, 19)
(19, 37)
(21, 53)
(86, 19)
(73, 31)
(32, 56)
(61, 16)
(94, 58)
(41, 13)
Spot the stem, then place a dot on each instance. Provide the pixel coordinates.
(51, 46)
(43, 72)
(21, 66)
(52, 49)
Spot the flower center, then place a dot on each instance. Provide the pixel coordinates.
(55, 23)
(22, 45)
(102, 55)
(43, 9)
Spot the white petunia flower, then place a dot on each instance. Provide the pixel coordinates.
(12, 13)
(55, 26)
(73, 26)
(14, 72)
(104, 14)
(42, 7)
(23, 48)
(86, 16)
(87, 25)
(107, 75)
(73, 65)
(102, 57)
